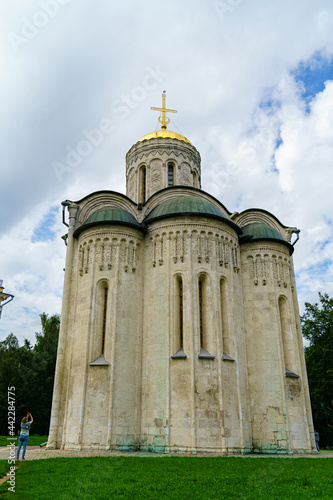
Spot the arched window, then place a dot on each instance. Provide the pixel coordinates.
(203, 318)
(224, 317)
(180, 314)
(201, 312)
(101, 314)
(179, 318)
(105, 300)
(287, 338)
(170, 174)
(142, 184)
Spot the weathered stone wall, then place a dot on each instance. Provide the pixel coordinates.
(277, 404)
(191, 404)
(101, 403)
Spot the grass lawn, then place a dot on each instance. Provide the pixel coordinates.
(153, 478)
(34, 440)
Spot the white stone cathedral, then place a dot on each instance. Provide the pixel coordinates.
(180, 328)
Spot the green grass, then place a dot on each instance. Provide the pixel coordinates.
(152, 478)
(34, 440)
(4, 468)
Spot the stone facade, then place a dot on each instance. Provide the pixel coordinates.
(180, 328)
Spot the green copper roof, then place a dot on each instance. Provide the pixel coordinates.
(262, 231)
(109, 215)
(185, 205)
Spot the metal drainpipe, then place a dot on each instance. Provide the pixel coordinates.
(65, 203)
(296, 231)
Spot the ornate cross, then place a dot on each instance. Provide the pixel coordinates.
(164, 120)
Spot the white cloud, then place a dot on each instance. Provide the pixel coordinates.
(219, 72)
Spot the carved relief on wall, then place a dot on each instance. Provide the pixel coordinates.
(105, 253)
(185, 177)
(85, 256)
(131, 256)
(262, 267)
(131, 184)
(235, 257)
(158, 244)
(180, 245)
(202, 246)
(205, 246)
(223, 251)
(156, 174)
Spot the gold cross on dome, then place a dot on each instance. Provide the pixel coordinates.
(164, 120)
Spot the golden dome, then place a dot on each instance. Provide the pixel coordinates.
(164, 133)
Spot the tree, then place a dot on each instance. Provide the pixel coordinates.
(31, 371)
(45, 355)
(317, 327)
(12, 358)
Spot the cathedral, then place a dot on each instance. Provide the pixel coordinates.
(180, 329)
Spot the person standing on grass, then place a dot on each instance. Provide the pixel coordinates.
(317, 439)
(24, 435)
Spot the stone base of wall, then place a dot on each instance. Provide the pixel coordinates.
(246, 450)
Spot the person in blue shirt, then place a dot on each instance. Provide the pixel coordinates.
(24, 435)
(317, 439)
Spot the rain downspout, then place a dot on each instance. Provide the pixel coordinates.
(296, 231)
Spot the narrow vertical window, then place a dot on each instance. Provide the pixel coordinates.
(224, 322)
(201, 325)
(287, 338)
(170, 175)
(142, 184)
(104, 317)
(204, 321)
(178, 322)
(99, 346)
(180, 291)
(226, 341)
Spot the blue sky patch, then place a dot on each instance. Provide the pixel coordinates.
(312, 74)
(321, 268)
(44, 231)
(278, 142)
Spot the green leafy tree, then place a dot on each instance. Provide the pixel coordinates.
(44, 361)
(317, 328)
(31, 371)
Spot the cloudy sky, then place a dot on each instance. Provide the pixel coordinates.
(252, 81)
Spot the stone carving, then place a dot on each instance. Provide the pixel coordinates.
(81, 260)
(131, 185)
(105, 254)
(185, 175)
(265, 269)
(154, 251)
(180, 245)
(161, 243)
(262, 267)
(250, 264)
(285, 273)
(234, 253)
(258, 266)
(156, 179)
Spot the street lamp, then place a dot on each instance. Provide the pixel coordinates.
(4, 296)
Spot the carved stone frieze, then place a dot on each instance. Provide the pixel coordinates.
(262, 267)
(105, 253)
